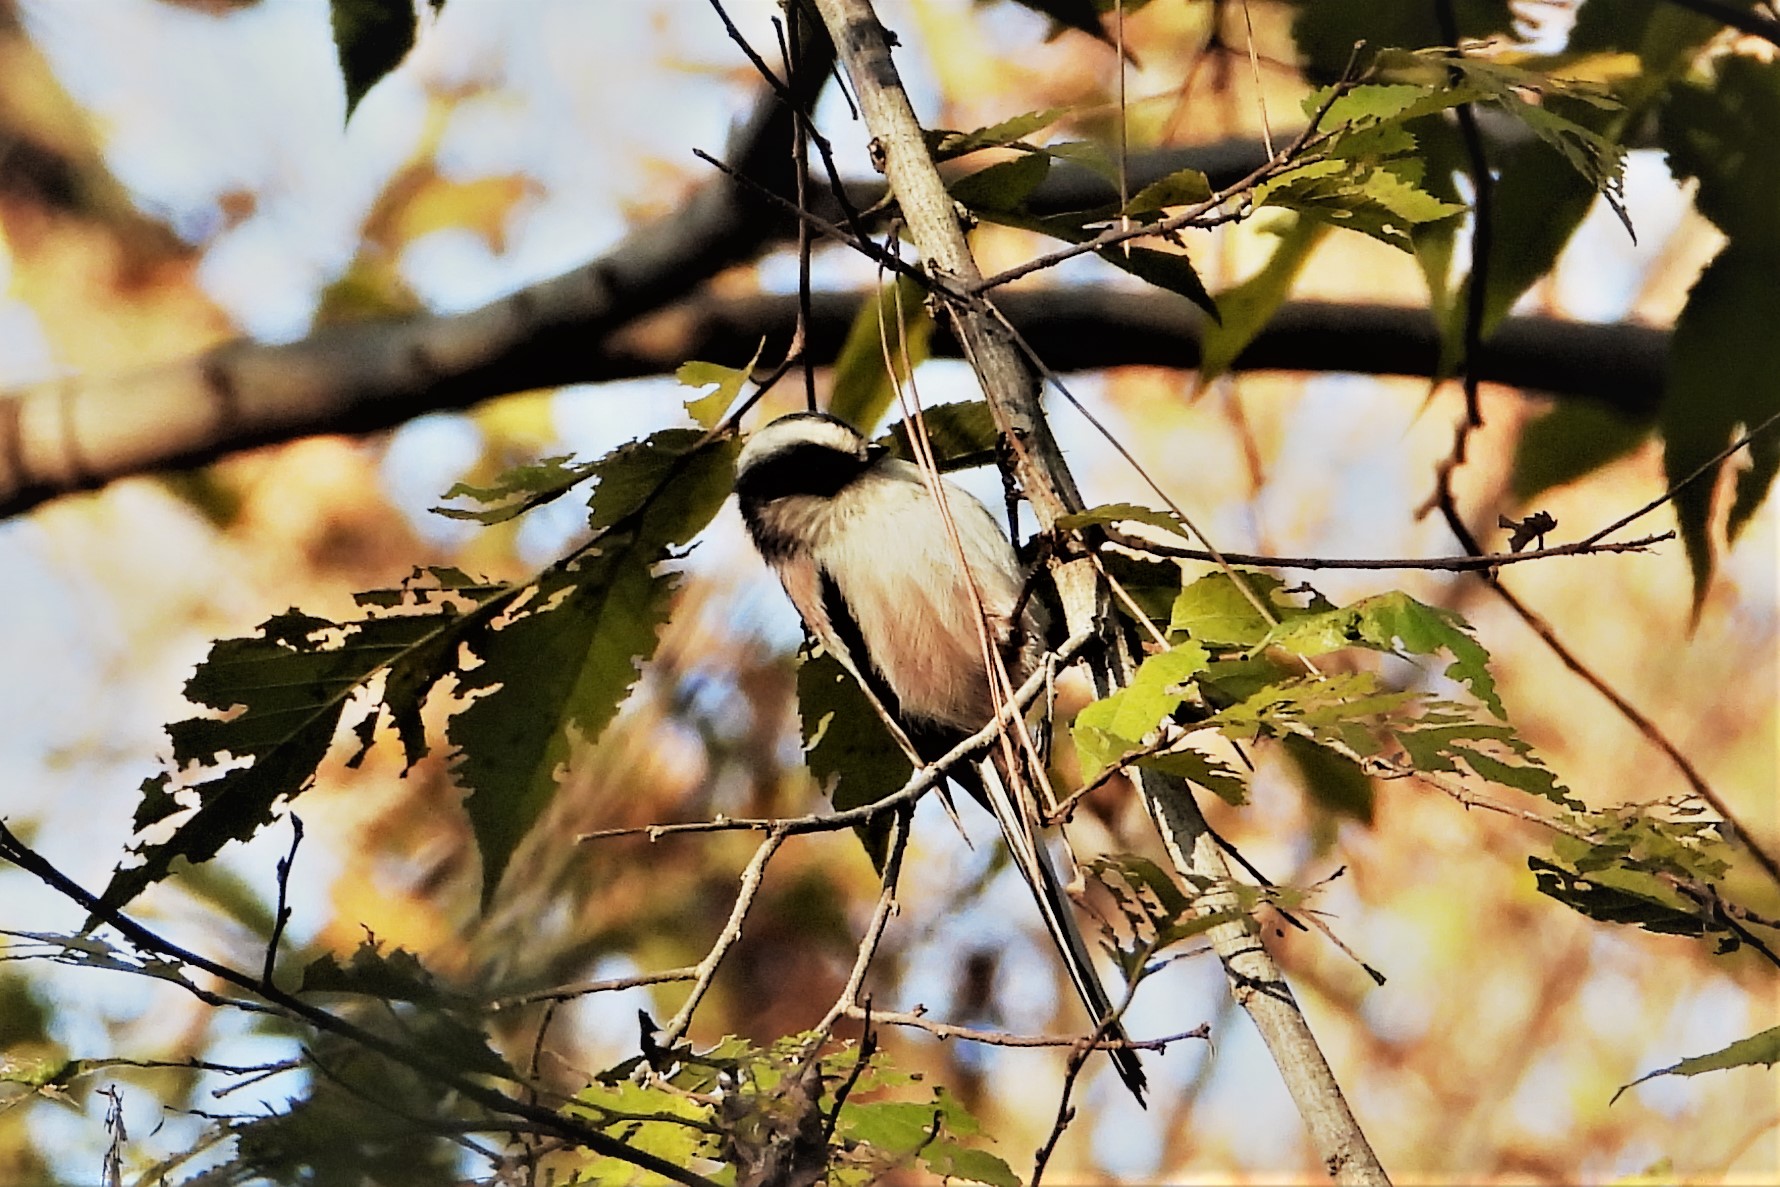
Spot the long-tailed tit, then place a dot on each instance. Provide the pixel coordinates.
(863, 551)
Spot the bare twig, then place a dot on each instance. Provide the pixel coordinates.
(1004, 1038)
(563, 993)
(874, 930)
(1448, 564)
(281, 915)
(752, 877)
(918, 784)
(13, 850)
(1709, 466)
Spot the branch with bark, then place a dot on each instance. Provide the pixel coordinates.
(80, 434)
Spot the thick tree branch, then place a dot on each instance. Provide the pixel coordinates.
(354, 379)
(77, 434)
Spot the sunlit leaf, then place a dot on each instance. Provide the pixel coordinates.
(1761, 1049)
(1394, 622)
(1217, 613)
(726, 384)
(1109, 728)
(519, 489)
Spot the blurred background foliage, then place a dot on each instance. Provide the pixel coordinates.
(173, 174)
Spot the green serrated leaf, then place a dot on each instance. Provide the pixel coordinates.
(1002, 187)
(553, 676)
(896, 315)
(946, 145)
(1222, 780)
(667, 481)
(371, 37)
(557, 671)
(1109, 728)
(1087, 154)
(1184, 187)
(286, 690)
(519, 490)
(1382, 201)
(726, 384)
(1394, 622)
(950, 1160)
(1363, 104)
(962, 435)
(1110, 513)
(1171, 270)
(1724, 373)
(1217, 613)
(1618, 896)
(1762, 1048)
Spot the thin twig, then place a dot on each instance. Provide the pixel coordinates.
(1483, 188)
(1709, 466)
(1004, 1038)
(281, 916)
(874, 930)
(1450, 564)
(752, 877)
(1207, 213)
(917, 785)
(14, 850)
(563, 993)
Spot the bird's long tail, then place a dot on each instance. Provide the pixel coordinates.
(1041, 875)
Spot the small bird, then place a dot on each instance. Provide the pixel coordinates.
(862, 549)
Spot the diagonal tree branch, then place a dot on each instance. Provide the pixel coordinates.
(78, 434)
(1012, 391)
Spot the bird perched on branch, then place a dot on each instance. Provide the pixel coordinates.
(884, 580)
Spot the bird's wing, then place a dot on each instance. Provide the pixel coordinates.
(1035, 864)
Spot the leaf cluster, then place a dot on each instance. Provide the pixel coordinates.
(739, 1109)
